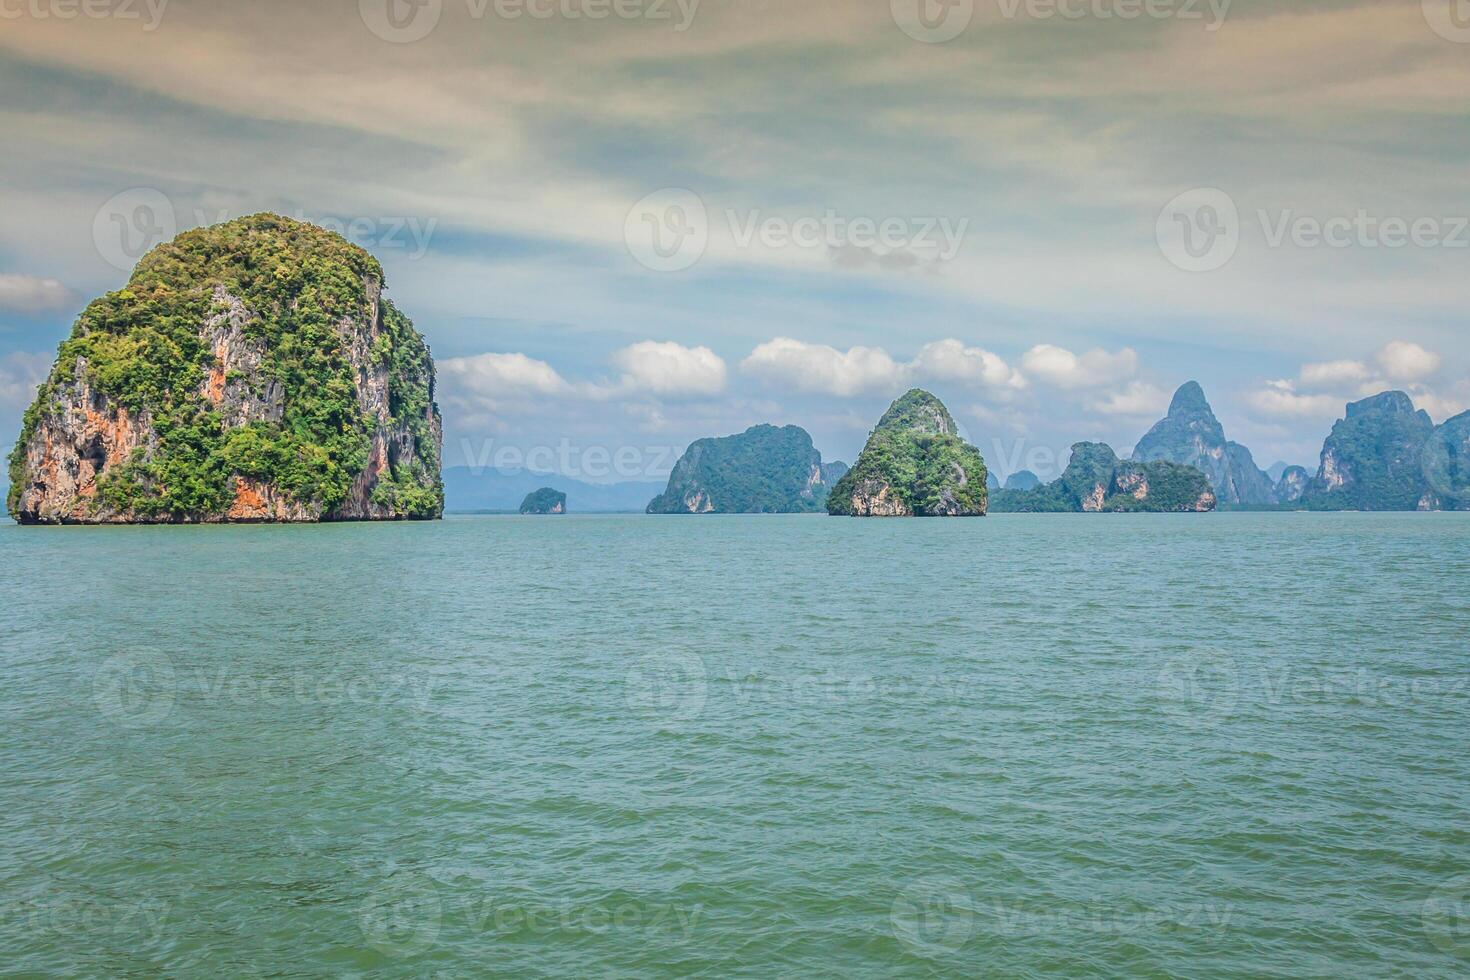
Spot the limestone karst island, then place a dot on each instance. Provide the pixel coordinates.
(250, 371)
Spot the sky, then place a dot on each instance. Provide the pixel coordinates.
(626, 224)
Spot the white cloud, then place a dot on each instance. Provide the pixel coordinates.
(1139, 400)
(827, 370)
(819, 368)
(1441, 407)
(1331, 384)
(1280, 399)
(1329, 373)
(1060, 368)
(671, 369)
(32, 294)
(1405, 361)
(503, 375)
(951, 360)
(21, 372)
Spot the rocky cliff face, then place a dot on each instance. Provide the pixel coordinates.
(1096, 481)
(1292, 485)
(1190, 435)
(247, 372)
(1446, 460)
(914, 465)
(764, 470)
(1374, 458)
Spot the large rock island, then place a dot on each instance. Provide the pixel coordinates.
(914, 465)
(1097, 481)
(1374, 459)
(251, 371)
(1191, 435)
(763, 470)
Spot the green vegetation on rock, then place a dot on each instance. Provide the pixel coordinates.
(1096, 481)
(544, 501)
(914, 464)
(1374, 458)
(1446, 460)
(291, 300)
(763, 470)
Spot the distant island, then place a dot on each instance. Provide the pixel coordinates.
(544, 501)
(763, 470)
(250, 371)
(489, 489)
(1190, 435)
(1097, 481)
(914, 465)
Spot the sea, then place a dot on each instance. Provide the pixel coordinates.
(1222, 745)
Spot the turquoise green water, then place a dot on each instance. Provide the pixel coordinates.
(1231, 745)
